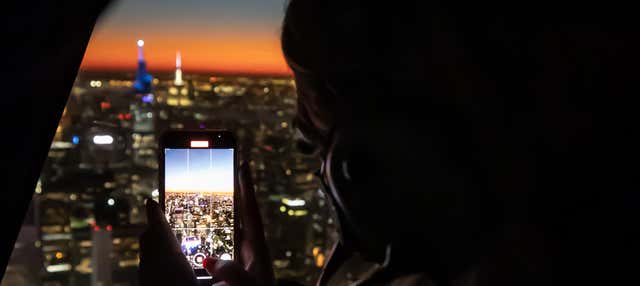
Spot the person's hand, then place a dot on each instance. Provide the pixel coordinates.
(161, 260)
(163, 263)
(253, 267)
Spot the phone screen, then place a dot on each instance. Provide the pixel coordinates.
(198, 199)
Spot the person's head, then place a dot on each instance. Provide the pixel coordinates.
(462, 124)
(328, 63)
(413, 111)
(397, 149)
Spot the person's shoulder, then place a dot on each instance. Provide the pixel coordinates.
(419, 279)
(422, 279)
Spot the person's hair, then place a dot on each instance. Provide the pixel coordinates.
(490, 111)
(374, 78)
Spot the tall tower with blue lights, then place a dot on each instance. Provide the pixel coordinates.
(143, 116)
(143, 81)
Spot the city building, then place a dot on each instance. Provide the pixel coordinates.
(143, 79)
(88, 206)
(178, 80)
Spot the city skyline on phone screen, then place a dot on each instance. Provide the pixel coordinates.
(199, 186)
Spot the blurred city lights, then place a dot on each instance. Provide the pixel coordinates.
(294, 202)
(320, 260)
(133, 114)
(147, 98)
(59, 267)
(300, 212)
(61, 145)
(39, 187)
(102, 139)
(105, 105)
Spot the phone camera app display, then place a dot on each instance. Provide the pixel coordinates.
(199, 202)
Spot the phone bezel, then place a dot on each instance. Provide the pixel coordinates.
(218, 139)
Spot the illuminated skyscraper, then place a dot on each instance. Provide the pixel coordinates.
(178, 81)
(143, 79)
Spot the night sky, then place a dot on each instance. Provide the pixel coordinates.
(239, 36)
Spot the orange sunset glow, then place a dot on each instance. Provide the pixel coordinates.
(237, 44)
(235, 54)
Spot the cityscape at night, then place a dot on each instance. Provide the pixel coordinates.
(313, 143)
(87, 210)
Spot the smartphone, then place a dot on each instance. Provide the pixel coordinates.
(198, 193)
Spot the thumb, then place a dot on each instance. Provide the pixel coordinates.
(155, 216)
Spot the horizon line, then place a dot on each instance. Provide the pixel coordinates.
(196, 192)
(189, 71)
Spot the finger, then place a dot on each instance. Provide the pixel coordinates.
(228, 271)
(161, 261)
(253, 248)
(159, 265)
(158, 238)
(155, 217)
(249, 207)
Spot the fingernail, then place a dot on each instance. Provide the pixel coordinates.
(209, 264)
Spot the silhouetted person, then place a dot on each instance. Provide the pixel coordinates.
(453, 140)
